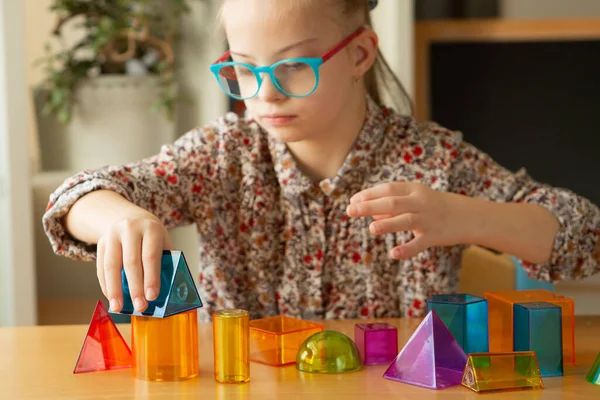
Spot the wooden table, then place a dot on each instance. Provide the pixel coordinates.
(37, 363)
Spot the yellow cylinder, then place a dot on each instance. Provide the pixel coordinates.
(165, 349)
(231, 332)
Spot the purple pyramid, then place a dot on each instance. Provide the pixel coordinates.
(431, 358)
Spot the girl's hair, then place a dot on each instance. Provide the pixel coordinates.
(380, 76)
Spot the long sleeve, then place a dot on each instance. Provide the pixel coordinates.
(162, 184)
(576, 247)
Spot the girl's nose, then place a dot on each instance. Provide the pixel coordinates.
(268, 91)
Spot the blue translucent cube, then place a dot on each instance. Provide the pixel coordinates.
(538, 328)
(466, 317)
(177, 293)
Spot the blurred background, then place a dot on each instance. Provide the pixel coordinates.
(78, 90)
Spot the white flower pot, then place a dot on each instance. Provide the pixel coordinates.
(112, 124)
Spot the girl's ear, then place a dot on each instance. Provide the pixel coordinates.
(365, 50)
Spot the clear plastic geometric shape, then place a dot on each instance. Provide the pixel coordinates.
(178, 292)
(377, 343)
(275, 340)
(538, 328)
(103, 347)
(165, 349)
(593, 375)
(466, 317)
(500, 319)
(328, 352)
(486, 372)
(431, 358)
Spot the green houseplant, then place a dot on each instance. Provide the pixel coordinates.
(115, 37)
(110, 91)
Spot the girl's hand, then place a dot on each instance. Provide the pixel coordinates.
(137, 244)
(431, 215)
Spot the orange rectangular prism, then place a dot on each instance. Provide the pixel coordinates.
(500, 317)
(487, 372)
(275, 340)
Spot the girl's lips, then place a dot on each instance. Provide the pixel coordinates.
(278, 120)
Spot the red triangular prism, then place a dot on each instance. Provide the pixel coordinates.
(103, 348)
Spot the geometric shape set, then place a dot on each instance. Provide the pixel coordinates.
(486, 372)
(103, 347)
(328, 352)
(466, 317)
(165, 349)
(377, 343)
(431, 358)
(501, 326)
(275, 340)
(593, 375)
(231, 333)
(178, 292)
(538, 328)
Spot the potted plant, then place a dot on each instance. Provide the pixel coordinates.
(113, 87)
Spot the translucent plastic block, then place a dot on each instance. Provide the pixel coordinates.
(275, 340)
(103, 347)
(487, 372)
(593, 375)
(431, 358)
(466, 317)
(377, 343)
(500, 312)
(178, 291)
(328, 352)
(165, 349)
(538, 328)
(231, 333)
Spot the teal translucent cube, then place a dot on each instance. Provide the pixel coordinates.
(538, 328)
(466, 317)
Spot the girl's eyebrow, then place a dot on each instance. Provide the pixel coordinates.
(283, 50)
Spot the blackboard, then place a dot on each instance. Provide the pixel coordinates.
(527, 104)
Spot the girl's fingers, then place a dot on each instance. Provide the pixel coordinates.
(383, 190)
(132, 261)
(400, 223)
(113, 262)
(394, 205)
(100, 266)
(152, 248)
(410, 249)
(380, 217)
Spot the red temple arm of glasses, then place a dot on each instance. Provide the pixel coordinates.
(325, 57)
(343, 44)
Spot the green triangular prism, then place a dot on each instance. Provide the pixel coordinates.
(184, 294)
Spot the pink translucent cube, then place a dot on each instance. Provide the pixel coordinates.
(377, 343)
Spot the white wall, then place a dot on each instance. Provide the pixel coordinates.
(17, 278)
(550, 8)
(394, 23)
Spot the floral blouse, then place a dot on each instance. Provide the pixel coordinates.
(274, 242)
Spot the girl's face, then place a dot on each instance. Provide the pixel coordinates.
(262, 32)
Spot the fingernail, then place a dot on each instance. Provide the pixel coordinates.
(351, 210)
(114, 305)
(138, 303)
(373, 228)
(355, 199)
(151, 294)
(397, 253)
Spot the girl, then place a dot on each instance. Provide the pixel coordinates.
(325, 204)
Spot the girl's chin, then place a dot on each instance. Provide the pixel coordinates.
(287, 135)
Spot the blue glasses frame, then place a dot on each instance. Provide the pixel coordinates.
(313, 62)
